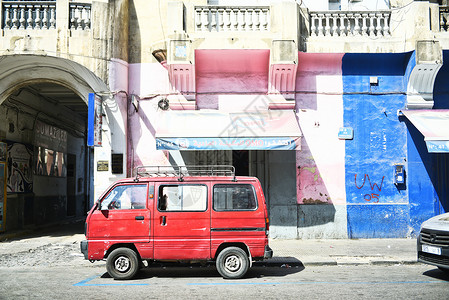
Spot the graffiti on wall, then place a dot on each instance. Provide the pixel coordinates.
(375, 188)
(311, 188)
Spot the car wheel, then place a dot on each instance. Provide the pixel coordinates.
(122, 263)
(232, 263)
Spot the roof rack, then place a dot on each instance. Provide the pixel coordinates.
(182, 171)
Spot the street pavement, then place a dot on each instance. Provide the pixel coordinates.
(286, 252)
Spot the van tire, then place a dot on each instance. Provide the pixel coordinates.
(232, 263)
(122, 264)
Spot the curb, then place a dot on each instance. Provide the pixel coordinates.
(295, 262)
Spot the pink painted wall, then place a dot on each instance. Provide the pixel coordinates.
(230, 72)
(319, 105)
(238, 79)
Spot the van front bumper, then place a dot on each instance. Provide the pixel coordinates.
(84, 247)
(268, 252)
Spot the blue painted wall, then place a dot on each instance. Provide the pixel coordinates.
(376, 207)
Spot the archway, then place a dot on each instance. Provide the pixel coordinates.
(49, 169)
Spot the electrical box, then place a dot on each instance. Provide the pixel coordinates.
(399, 174)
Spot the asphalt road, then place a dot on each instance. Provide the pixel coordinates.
(82, 280)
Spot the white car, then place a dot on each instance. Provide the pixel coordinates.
(433, 242)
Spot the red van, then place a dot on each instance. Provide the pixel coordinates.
(186, 214)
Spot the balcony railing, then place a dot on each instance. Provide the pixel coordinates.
(444, 18)
(80, 14)
(19, 15)
(29, 15)
(227, 18)
(349, 23)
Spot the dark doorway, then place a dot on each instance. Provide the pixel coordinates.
(441, 177)
(240, 160)
(71, 185)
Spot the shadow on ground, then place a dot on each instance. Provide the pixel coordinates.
(437, 274)
(181, 270)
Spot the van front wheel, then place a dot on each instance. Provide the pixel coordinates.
(122, 263)
(232, 263)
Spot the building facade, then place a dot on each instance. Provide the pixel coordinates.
(340, 108)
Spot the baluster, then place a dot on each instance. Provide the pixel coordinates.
(264, 21)
(312, 24)
(348, 26)
(256, 19)
(198, 19)
(364, 26)
(52, 17)
(242, 23)
(342, 25)
(378, 26)
(386, 28)
(442, 22)
(205, 19)
(30, 17)
(445, 21)
(249, 19)
(371, 24)
(213, 19)
(327, 28)
(82, 17)
(15, 20)
(235, 21)
(72, 19)
(334, 25)
(87, 20)
(228, 22)
(37, 20)
(221, 16)
(22, 19)
(356, 25)
(45, 18)
(7, 17)
(320, 25)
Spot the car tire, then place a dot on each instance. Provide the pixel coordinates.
(122, 264)
(232, 263)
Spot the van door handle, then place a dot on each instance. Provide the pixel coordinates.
(163, 220)
(140, 218)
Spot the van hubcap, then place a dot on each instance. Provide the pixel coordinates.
(122, 264)
(232, 263)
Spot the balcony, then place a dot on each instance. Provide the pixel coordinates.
(223, 18)
(350, 23)
(41, 15)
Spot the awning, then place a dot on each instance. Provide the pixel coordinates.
(215, 130)
(434, 126)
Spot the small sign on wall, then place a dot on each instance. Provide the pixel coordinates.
(102, 165)
(346, 133)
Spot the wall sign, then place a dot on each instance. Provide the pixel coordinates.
(346, 133)
(102, 165)
(94, 120)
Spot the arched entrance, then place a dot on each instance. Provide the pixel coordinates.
(48, 169)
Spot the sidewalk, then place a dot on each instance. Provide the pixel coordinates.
(344, 251)
(286, 252)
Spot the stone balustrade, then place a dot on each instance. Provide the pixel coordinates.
(227, 18)
(444, 18)
(349, 23)
(19, 15)
(80, 14)
(29, 15)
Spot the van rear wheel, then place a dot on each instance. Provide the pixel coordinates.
(232, 263)
(122, 263)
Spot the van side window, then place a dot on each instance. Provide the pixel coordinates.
(131, 196)
(234, 197)
(186, 197)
